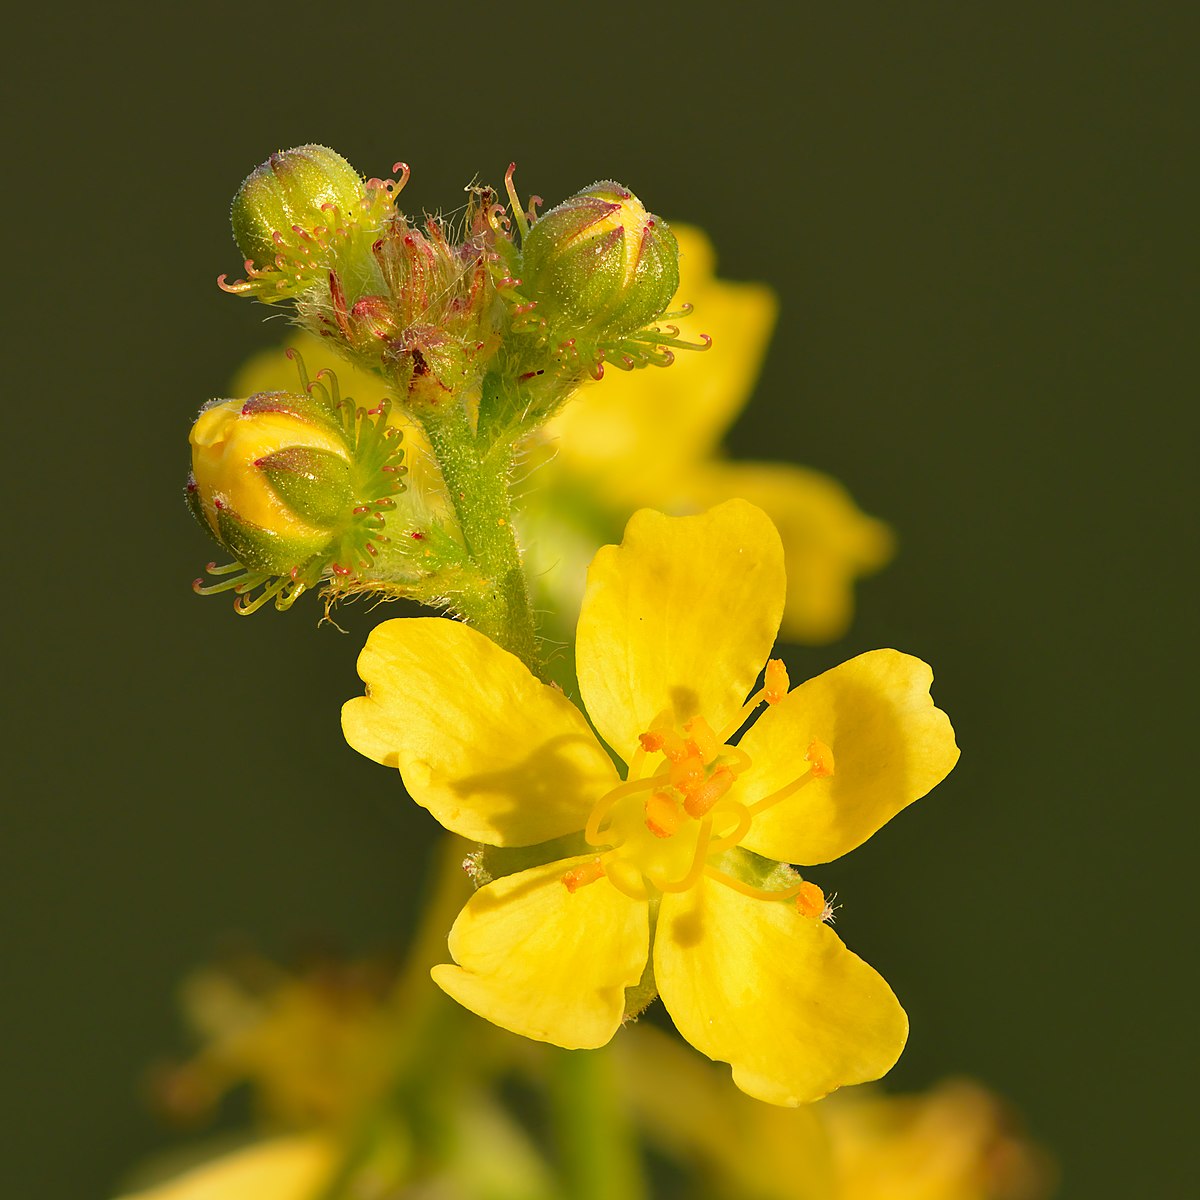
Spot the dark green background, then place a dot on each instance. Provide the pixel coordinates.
(975, 217)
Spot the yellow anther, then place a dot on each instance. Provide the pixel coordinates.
(700, 799)
(821, 757)
(663, 814)
(810, 901)
(579, 877)
(775, 681)
(703, 740)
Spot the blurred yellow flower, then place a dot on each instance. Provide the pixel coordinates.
(285, 1168)
(315, 1044)
(954, 1142)
(651, 438)
(671, 866)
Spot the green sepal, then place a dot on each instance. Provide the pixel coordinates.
(315, 484)
(309, 186)
(643, 993)
(486, 864)
(261, 549)
(759, 872)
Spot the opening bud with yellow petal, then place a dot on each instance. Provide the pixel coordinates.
(599, 266)
(294, 486)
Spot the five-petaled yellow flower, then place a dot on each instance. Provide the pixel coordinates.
(679, 862)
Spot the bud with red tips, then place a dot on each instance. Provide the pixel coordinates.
(308, 187)
(599, 266)
(299, 216)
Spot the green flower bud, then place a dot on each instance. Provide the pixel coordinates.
(294, 191)
(293, 486)
(599, 265)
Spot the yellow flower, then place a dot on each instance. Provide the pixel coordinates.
(671, 865)
(954, 1142)
(650, 438)
(284, 1168)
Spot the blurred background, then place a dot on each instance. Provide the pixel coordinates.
(973, 215)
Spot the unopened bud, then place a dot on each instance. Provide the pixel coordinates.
(599, 265)
(268, 479)
(293, 192)
(292, 486)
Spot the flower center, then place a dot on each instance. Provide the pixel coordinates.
(661, 829)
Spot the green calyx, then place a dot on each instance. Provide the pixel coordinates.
(292, 191)
(599, 266)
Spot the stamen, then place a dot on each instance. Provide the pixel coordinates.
(775, 686)
(663, 814)
(750, 890)
(700, 799)
(665, 740)
(821, 757)
(775, 681)
(788, 789)
(607, 802)
(740, 829)
(810, 901)
(579, 877)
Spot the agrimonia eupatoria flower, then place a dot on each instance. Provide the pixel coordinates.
(673, 878)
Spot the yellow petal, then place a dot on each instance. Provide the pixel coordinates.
(494, 754)
(632, 429)
(827, 540)
(285, 1168)
(547, 963)
(775, 994)
(679, 618)
(890, 746)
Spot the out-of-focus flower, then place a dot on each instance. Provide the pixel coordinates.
(284, 1168)
(652, 439)
(954, 1142)
(675, 878)
(314, 1044)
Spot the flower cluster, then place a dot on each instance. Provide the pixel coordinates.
(647, 822)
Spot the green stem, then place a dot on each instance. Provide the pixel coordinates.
(478, 487)
(597, 1150)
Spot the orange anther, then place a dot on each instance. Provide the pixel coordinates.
(687, 773)
(821, 757)
(663, 814)
(810, 901)
(703, 741)
(700, 799)
(775, 681)
(579, 877)
(652, 742)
